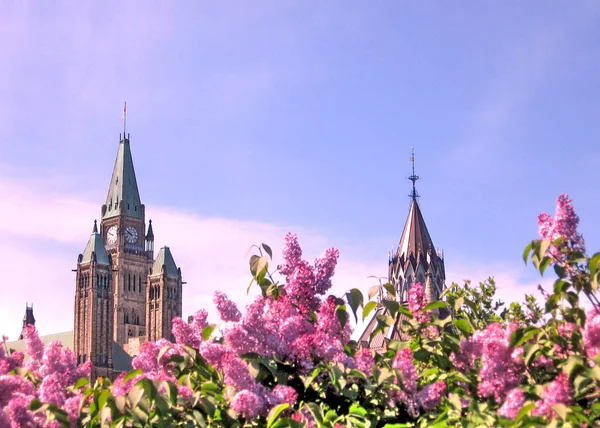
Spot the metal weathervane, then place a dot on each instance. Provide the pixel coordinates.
(414, 195)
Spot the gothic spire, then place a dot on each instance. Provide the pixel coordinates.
(95, 250)
(415, 237)
(123, 191)
(28, 319)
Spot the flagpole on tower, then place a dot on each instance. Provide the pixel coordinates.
(124, 119)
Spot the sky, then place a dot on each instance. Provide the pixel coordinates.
(252, 119)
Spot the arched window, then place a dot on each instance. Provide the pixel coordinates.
(129, 283)
(126, 319)
(140, 287)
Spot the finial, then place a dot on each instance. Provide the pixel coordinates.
(124, 119)
(414, 195)
(95, 227)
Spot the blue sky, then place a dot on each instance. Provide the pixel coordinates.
(251, 119)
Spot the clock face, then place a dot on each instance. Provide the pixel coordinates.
(131, 235)
(111, 235)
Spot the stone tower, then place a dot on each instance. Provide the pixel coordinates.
(94, 307)
(28, 319)
(123, 229)
(415, 260)
(112, 298)
(163, 295)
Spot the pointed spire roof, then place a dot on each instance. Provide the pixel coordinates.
(415, 237)
(95, 245)
(123, 185)
(28, 318)
(165, 257)
(150, 233)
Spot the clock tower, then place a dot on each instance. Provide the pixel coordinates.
(123, 296)
(123, 228)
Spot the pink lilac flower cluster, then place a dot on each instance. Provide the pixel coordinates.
(562, 225)
(417, 300)
(228, 310)
(501, 366)
(513, 403)
(558, 391)
(281, 328)
(57, 368)
(591, 333)
(428, 398)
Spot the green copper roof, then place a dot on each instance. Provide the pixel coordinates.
(96, 245)
(123, 185)
(121, 359)
(165, 257)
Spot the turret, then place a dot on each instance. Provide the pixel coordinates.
(150, 238)
(28, 319)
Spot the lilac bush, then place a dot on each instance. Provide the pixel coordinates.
(287, 359)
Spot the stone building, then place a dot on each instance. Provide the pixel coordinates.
(415, 260)
(124, 296)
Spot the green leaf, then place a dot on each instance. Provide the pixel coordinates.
(102, 398)
(438, 304)
(544, 244)
(463, 325)
(207, 331)
(561, 410)
(392, 306)
(287, 423)
(275, 412)
(132, 374)
(373, 291)
(368, 308)
(316, 411)
(593, 266)
(525, 410)
(530, 351)
(390, 289)
(544, 264)
(355, 299)
(82, 382)
(357, 409)
(262, 265)
(527, 251)
(342, 315)
(458, 304)
(527, 335)
(268, 250)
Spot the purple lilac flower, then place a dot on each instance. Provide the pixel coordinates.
(18, 411)
(501, 366)
(4, 420)
(292, 254)
(417, 301)
(591, 333)
(10, 385)
(184, 333)
(563, 225)
(431, 396)
(324, 270)
(247, 403)
(513, 404)
(34, 347)
(403, 362)
(365, 361)
(558, 391)
(72, 408)
(228, 310)
(285, 394)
